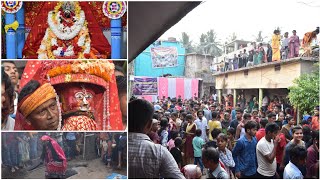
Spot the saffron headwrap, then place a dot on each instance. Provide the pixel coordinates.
(38, 97)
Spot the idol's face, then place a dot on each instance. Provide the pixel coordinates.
(78, 97)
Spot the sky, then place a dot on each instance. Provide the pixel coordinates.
(247, 17)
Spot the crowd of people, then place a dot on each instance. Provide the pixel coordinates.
(25, 150)
(176, 138)
(281, 48)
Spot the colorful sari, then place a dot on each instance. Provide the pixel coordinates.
(275, 47)
(54, 158)
(190, 133)
(294, 45)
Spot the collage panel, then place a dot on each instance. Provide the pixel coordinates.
(223, 90)
(67, 95)
(64, 155)
(64, 30)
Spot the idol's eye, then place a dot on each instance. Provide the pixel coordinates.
(79, 95)
(89, 96)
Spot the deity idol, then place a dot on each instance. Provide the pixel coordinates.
(87, 92)
(67, 35)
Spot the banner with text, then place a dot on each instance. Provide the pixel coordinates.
(163, 57)
(145, 86)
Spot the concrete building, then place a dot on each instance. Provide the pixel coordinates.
(272, 78)
(143, 63)
(199, 66)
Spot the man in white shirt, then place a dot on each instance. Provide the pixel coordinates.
(298, 155)
(266, 152)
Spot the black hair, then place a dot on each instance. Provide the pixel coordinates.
(232, 131)
(29, 88)
(211, 154)
(200, 112)
(174, 134)
(9, 89)
(239, 110)
(163, 124)
(215, 114)
(174, 114)
(121, 84)
(250, 125)
(140, 114)
(297, 153)
(315, 135)
(264, 122)
(215, 132)
(177, 141)
(296, 128)
(272, 128)
(198, 132)
(223, 136)
(271, 114)
(246, 115)
(155, 116)
(189, 116)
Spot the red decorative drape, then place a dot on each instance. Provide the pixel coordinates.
(36, 19)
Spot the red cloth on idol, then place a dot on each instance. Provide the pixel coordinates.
(33, 41)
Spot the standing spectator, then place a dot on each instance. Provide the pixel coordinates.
(276, 45)
(210, 157)
(214, 123)
(240, 60)
(266, 153)
(231, 142)
(261, 54)
(262, 132)
(265, 102)
(163, 132)
(7, 101)
(11, 69)
(190, 133)
(197, 144)
(285, 46)
(269, 53)
(240, 131)
(146, 159)
(235, 62)
(214, 134)
(315, 119)
(244, 153)
(245, 58)
(298, 156)
(271, 117)
(280, 153)
(297, 140)
(71, 142)
(250, 59)
(294, 45)
(33, 143)
(225, 123)
(202, 124)
(174, 135)
(176, 151)
(313, 157)
(287, 129)
(153, 134)
(225, 154)
(234, 123)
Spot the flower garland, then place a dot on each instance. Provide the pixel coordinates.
(103, 69)
(63, 41)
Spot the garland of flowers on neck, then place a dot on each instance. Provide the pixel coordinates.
(77, 36)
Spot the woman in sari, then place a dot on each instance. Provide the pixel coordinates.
(261, 53)
(190, 133)
(276, 45)
(307, 39)
(294, 45)
(54, 158)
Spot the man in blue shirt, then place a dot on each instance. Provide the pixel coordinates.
(244, 153)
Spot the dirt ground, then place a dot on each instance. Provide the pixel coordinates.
(93, 169)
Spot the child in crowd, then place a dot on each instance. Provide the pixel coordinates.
(225, 154)
(197, 144)
(214, 134)
(231, 142)
(176, 151)
(173, 136)
(163, 133)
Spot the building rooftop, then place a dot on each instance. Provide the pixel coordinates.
(312, 59)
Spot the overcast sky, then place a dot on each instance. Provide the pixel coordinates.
(247, 17)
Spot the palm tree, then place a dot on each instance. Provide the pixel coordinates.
(209, 44)
(186, 42)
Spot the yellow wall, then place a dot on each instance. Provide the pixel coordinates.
(264, 77)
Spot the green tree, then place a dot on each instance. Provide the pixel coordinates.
(187, 43)
(305, 93)
(259, 37)
(209, 44)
